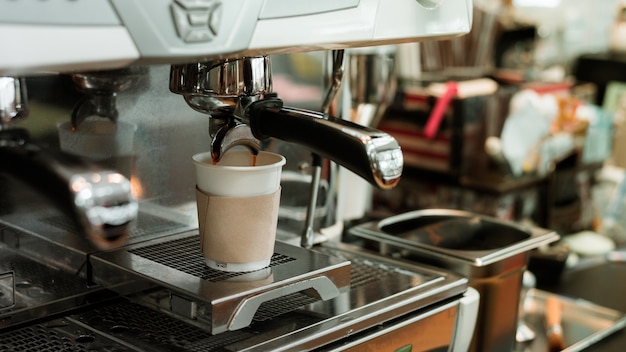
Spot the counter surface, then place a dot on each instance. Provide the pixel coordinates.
(603, 283)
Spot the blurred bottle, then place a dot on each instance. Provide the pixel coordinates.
(617, 35)
(609, 196)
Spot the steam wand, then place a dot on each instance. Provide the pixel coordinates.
(335, 79)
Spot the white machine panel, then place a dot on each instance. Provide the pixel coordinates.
(78, 35)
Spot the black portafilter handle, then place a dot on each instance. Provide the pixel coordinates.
(99, 201)
(372, 154)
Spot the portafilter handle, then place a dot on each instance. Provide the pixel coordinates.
(372, 154)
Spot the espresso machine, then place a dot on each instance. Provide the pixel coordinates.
(103, 103)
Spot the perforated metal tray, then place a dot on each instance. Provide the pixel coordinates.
(381, 291)
(228, 301)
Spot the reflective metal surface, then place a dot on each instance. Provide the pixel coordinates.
(101, 88)
(491, 253)
(31, 290)
(105, 206)
(372, 83)
(584, 323)
(230, 304)
(369, 153)
(223, 89)
(467, 243)
(240, 91)
(161, 305)
(218, 86)
(156, 317)
(99, 201)
(13, 99)
(229, 136)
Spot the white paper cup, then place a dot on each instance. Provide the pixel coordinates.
(238, 209)
(234, 175)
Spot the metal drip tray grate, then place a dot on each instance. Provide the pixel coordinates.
(146, 225)
(226, 301)
(140, 325)
(279, 306)
(30, 290)
(115, 327)
(39, 338)
(183, 254)
(382, 290)
(362, 273)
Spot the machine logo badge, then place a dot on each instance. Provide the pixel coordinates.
(197, 21)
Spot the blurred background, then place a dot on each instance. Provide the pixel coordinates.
(532, 133)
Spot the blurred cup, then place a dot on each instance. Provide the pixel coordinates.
(238, 200)
(107, 142)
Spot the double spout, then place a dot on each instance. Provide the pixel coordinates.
(237, 94)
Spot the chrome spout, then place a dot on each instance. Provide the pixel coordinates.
(230, 135)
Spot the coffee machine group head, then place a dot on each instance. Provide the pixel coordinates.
(219, 51)
(243, 109)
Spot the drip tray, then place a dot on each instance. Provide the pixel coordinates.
(222, 300)
(383, 295)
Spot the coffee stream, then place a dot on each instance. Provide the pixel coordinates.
(254, 157)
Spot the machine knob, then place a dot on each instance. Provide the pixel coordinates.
(197, 21)
(430, 4)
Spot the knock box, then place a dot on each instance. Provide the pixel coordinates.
(491, 253)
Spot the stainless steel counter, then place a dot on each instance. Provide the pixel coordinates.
(156, 294)
(602, 283)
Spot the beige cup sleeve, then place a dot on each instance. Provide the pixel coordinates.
(237, 229)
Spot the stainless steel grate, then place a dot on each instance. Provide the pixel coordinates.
(364, 271)
(285, 304)
(144, 327)
(183, 254)
(147, 224)
(100, 328)
(126, 325)
(57, 335)
(36, 283)
(37, 338)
